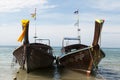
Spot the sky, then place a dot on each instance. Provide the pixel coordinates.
(55, 20)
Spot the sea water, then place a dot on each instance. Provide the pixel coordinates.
(109, 68)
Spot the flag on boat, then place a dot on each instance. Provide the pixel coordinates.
(77, 23)
(76, 12)
(33, 15)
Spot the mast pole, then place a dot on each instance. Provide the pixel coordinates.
(77, 24)
(35, 25)
(78, 28)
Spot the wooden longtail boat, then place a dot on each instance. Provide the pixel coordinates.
(31, 56)
(81, 57)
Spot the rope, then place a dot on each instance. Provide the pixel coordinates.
(94, 62)
(92, 57)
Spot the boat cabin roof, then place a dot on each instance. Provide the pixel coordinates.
(68, 38)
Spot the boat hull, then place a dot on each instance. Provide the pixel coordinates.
(38, 56)
(84, 59)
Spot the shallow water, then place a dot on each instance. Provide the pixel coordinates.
(52, 74)
(109, 68)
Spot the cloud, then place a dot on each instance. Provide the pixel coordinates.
(17, 5)
(105, 4)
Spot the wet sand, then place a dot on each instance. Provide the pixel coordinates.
(52, 74)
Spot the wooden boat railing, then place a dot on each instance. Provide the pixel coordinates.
(79, 50)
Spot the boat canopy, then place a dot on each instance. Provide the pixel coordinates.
(44, 40)
(67, 38)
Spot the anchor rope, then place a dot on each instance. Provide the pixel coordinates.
(92, 57)
(94, 63)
